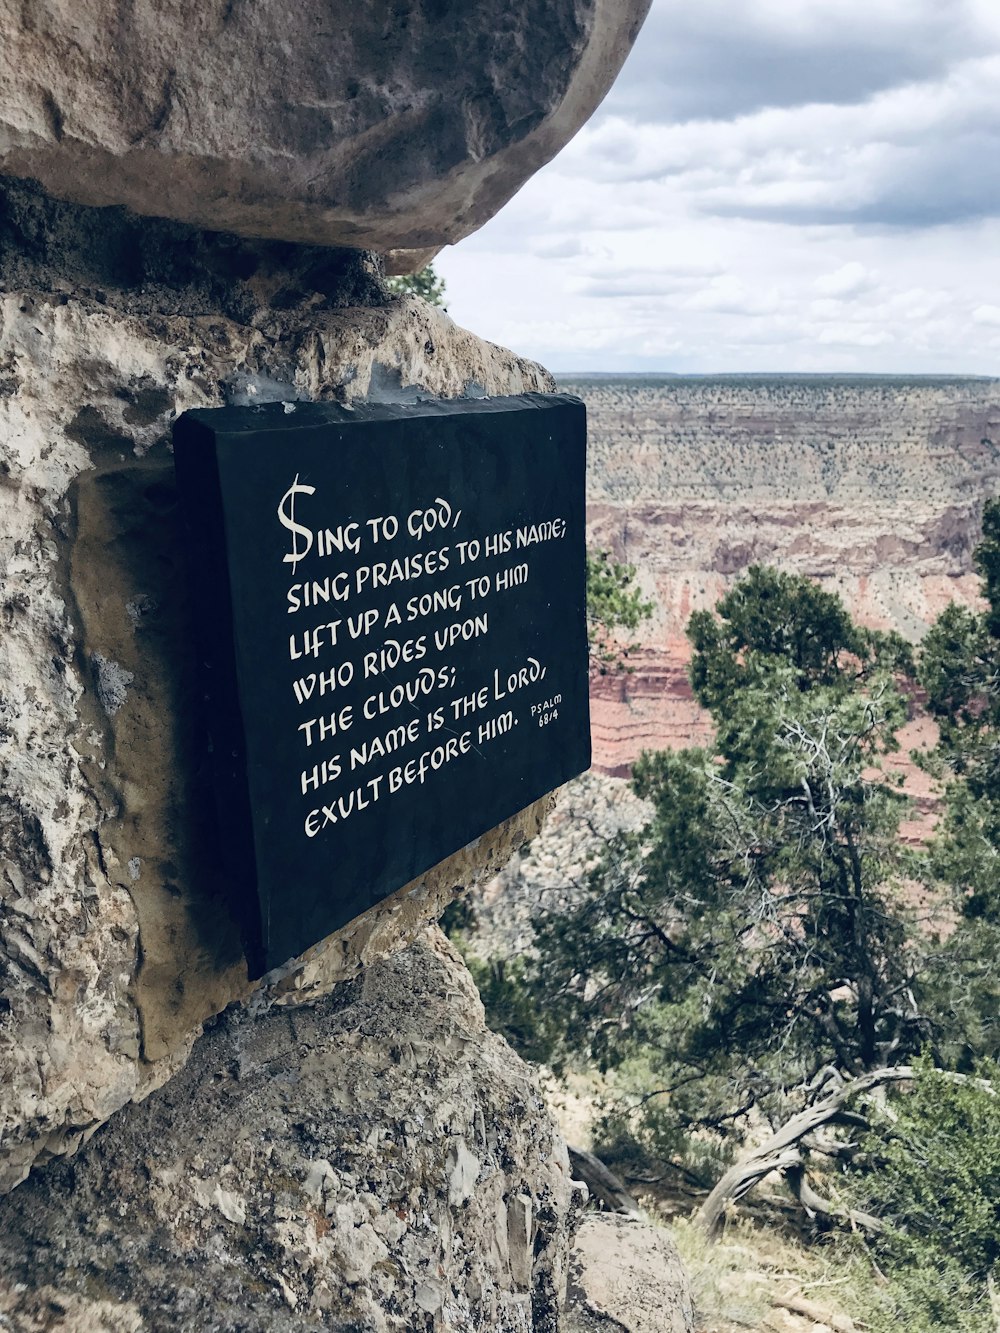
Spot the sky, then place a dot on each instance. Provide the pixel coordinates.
(771, 185)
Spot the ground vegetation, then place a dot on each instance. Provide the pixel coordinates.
(425, 283)
(777, 985)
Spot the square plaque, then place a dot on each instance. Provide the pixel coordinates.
(392, 611)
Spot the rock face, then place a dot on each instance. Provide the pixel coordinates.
(173, 179)
(115, 942)
(378, 1161)
(382, 126)
(626, 1277)
(874, 486)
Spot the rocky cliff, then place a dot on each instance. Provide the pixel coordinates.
(375, 1161)
(872, 485)
(349, 1147)
(114, 941)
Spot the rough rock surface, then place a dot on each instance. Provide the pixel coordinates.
(381, 126)
(626, 1276)
(378, 1161)
(550, 872)
(872, 485)
(115, 944)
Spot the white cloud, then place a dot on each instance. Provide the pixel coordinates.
(849, 280)
(728, 295)
(568, 247)
(721, 59)
(857, 334)
(911, 155)
(707, 219)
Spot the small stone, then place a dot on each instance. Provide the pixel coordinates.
(463, 1172)
(320, 1181)
(430, 1295)
(519, 1211)
(111, 682)
(360, 1252)
(291, 1300)
(231, 1205)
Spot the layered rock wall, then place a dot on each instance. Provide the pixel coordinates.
(874, 486)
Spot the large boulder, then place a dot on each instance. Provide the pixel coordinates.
(115, 943)
(379, 125)
(378, 1161)
(625, 1276)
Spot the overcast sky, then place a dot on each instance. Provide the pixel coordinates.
(785, 185)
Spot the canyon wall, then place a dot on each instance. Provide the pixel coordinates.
(872, 485)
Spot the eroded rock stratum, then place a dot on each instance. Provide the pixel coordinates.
(873, 486)
(115, 941)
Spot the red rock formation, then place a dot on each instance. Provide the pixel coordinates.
(872, 486)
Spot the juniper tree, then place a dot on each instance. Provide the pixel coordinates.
(614, 602)
(425, 283)
(754, 934)
(960, 670)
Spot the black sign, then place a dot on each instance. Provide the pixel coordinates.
(392, 603)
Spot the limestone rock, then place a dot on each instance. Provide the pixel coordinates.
(299, 1173)
(626, 1277)
(115, 944)
(377, 126)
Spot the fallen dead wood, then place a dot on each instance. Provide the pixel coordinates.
(810, 1310)
(602, 1183)
(780, 1151)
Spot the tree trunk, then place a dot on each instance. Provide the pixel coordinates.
(815, 1203)
(781, 1149)
(601, 1182)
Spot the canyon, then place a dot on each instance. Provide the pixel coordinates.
(872, 485)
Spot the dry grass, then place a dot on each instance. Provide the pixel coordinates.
(749, 1278)
(754, 1278)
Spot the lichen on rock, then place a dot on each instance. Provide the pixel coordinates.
(378, 1160)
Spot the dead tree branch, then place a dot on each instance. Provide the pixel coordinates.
(602, 1183)
(781, 1150)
